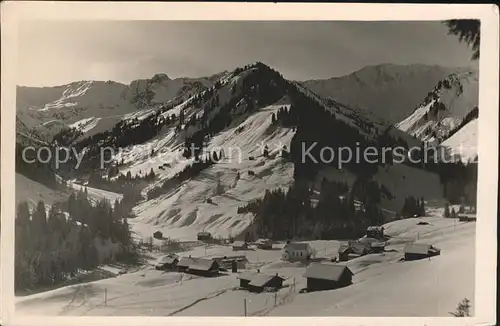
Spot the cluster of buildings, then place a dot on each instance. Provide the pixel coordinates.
(319, 276)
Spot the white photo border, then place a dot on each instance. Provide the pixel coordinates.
(486, 235)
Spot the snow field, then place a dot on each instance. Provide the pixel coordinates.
(382, 286)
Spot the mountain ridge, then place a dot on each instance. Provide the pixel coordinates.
(388, 90)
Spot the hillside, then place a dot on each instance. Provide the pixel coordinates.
(185, 192)
(244, 111)
(52, 109)
(229, 160)
(443, 108)
(387, 90)
(463, 144)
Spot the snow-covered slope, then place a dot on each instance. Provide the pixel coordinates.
(444, 108)
(382, 286)
(184, 212)
(387, 90)
(103, 102)
(463, 144)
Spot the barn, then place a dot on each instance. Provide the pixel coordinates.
(353, 249)
(168, 263)
(327, 276)
(240, 245)
(257, 282)
(204, 267)
(261, 282)
(415, 251)
(227, 262)
(184, 263)
(264, 244)
(204, 236)
(246, 278)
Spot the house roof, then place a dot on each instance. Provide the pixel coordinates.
(231, 258)
(185, 262)
(417, 248)
(201, 264)
(169, 260)
(297, 246)
(203, 233)
(375, 228)
(344, 248)
(248, 276)
(358, 247)
(331, 272)
(260, 280)
(239, 244)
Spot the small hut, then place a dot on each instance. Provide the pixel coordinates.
(204, 267)
(168, 263)
(262, 282)
(415, 251)
(327, 276)
(158, 235)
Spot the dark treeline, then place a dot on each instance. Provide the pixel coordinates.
(319, 129)
(413, 206)
(126, 184)
(459, 182)
(33, 167)
(285, 117)
(52, 248)
(339, 212)
(124, 133)
(261, 86)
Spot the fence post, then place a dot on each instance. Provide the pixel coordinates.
(105, 296)
(275, 297)
(245, 306)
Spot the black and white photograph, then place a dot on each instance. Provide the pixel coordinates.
(248, 168)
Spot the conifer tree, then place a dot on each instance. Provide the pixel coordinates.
(446, 210)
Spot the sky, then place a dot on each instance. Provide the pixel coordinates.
(58, 52)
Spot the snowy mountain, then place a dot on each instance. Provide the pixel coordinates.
(240, 112)
(98, 105)
(387, 90)
(243, 111)
(202, 162)
(449, 107)
(463, 143)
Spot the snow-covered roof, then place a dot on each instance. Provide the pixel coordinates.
(202, 264)
(239, 244)
(168, 260)
(326, 271)
(185, 262)
(248, 276)
(261, 280)
(417, 248)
